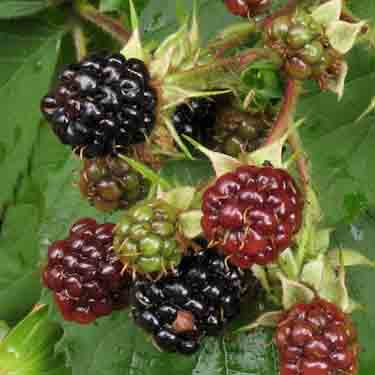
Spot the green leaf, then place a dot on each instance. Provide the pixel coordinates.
(28, 58)
(21, 8)
(187, 172)
(19, 256)
(29, 347)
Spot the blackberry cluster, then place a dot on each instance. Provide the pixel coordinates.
(252, 214)
(101, 104)
(237, 131)
(317, 339)
(146, 238)
(196, 119)
(110, 183)
(302, 44)
(200, 299)
(245, 8)
(84, 273)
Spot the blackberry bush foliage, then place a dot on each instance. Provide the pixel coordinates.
(85, 274)
(200, 299)
(186, 248)
(102, 105)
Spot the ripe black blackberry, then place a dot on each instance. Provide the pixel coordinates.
(196, 119)
(110, 183)
(102, 104)
(198, 300)
(84, 273)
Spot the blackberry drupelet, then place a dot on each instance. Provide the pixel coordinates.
(84, 273)
(110, 183)
(200, 299)
(102, 105)
(317, 339)
(196, 119)
(252, 214)
(146, 238)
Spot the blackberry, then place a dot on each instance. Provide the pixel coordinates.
(316, 339)
(252, 214)
(238, 131)
(110, 183)
(102, 104)
(200, 299)
(196, 119)
(245, 8)
(146, 238)
(85, 274)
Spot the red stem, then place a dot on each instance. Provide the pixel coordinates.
(106, 23)
(285, 116)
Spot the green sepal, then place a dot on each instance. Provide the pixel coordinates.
(190, 223)
(180, 198)
(29, 348)
(269, 319)
(328, 12)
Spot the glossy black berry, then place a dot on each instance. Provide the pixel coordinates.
(102, 105)
(199, 299)
(85, 274)
(196, 119)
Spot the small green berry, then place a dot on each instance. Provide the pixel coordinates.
(129, 247)
(280, 27)
(169, 247)
(150, 245)
(298, 36)
(233, 146)
(139, 230)
(143, 213)
(247, 131)
(109, 190)
(312, 52)
(163, 228)
(148, 265)
(123, 226)
(297, 68)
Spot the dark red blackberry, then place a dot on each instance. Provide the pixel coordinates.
(101, 104)
(84, 273)
(317, 339)
(196, 119)
(245, 8)
(110, 183)
(252, 214)
(200, 299)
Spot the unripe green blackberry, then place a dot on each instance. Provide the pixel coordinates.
(297, 68)
(110, 183)
(146, 238)
(280, 27)
(299, 36)
(312, 52)
(237, 132)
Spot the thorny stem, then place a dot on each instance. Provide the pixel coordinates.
(106, 23)
(80, 44)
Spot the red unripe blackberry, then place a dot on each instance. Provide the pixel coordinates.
(252, 214)
(110, 183)
(245, 8)
(102, 105)
(84, 273)
(316, 339)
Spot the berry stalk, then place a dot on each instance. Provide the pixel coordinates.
(286, 9)
(106, 23)
(285, 116)
(80, 44)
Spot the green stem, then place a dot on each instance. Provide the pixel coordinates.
(80, 42)
(106, 23)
